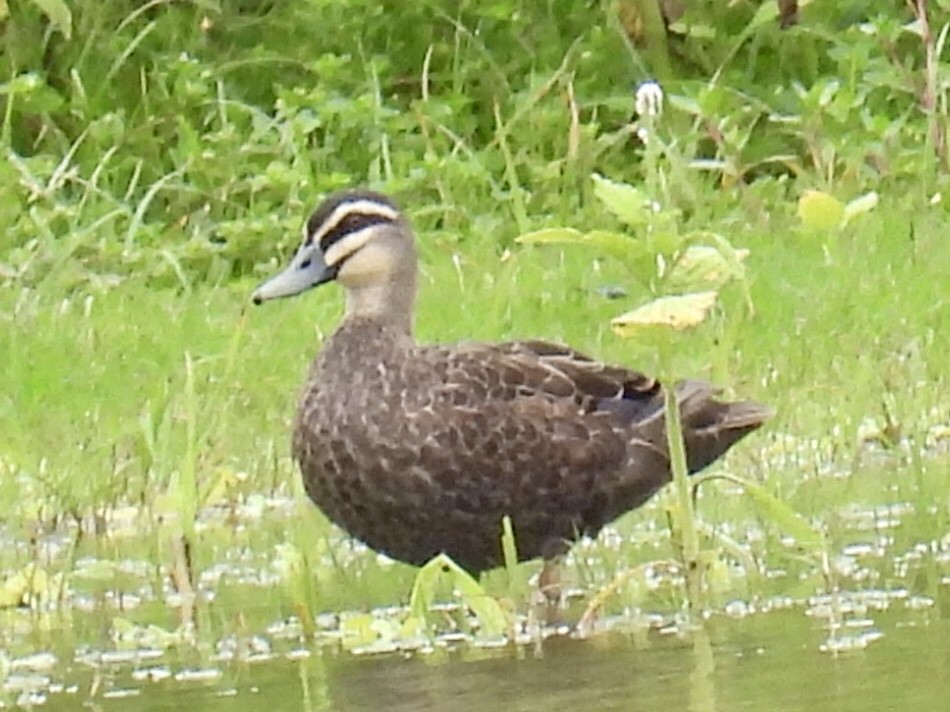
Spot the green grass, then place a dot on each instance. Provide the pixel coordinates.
(98, 411)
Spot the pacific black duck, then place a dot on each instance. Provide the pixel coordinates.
(418, 450)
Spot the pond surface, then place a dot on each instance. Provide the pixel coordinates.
(772, 661)
(95, 622)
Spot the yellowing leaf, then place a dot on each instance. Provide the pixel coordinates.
(32, 586)
(221, 487)
(627, 203)
(820, 211)
(702, 266)
(678, 313)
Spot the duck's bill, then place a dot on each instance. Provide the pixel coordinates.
(308, 269)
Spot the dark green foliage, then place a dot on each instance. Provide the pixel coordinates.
(177, 139)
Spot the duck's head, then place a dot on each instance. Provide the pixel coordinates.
(360, 239)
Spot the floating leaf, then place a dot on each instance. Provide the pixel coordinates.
(30, 586)
(627, 203)
(129, 635)
(678, 313)
(820, 211)
(860, 205)
(96, 570)
(358, 629)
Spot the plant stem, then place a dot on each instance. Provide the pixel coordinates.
(684, 502)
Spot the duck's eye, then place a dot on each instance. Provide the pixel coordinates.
(354, 222)
(348, 225)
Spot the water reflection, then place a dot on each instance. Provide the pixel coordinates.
(762, 663)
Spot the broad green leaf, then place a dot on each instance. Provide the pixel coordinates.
(23, 84)
(58, 12)
(615, 244)
(627, 203)
(767, 12)
(552, 236)
(4, 13)
(665, 242)
(820, 211)
(677, 312)
(860, 205)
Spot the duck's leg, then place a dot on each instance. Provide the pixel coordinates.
(547, 592)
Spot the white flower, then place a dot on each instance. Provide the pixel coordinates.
(649, 98)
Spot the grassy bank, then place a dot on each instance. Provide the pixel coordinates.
(846, 343)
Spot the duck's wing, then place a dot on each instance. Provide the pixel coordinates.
(540, 379)
(710, 426)
(558, 441)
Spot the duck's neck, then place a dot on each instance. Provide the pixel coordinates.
(389, 303)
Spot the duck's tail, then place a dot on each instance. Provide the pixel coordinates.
(711, 427)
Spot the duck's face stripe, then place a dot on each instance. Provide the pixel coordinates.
(347, 218)
(348, 227)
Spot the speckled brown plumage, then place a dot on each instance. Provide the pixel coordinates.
(417, 450)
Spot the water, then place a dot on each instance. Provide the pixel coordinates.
(766, 662)
(103, 625)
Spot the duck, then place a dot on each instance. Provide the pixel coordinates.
(419, 450)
